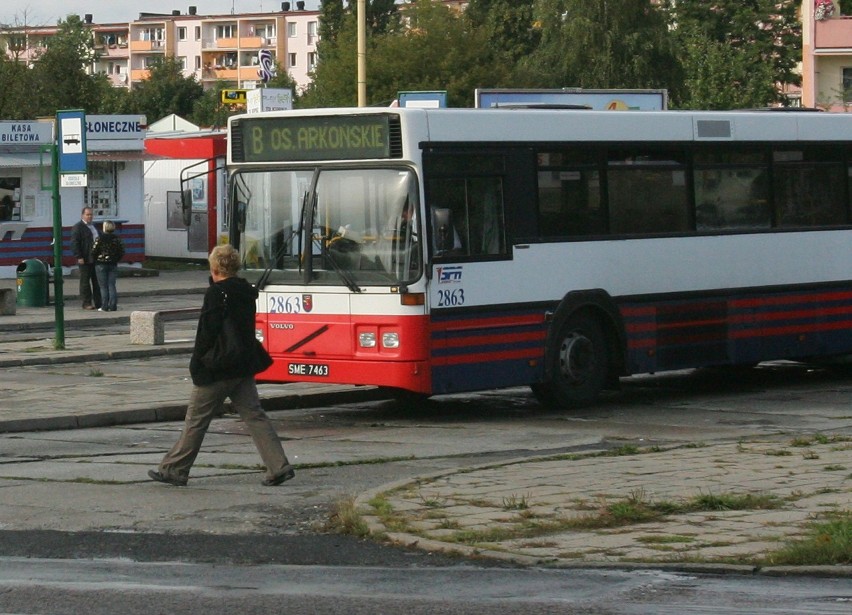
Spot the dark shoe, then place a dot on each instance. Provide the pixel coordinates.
(273, 482)
(89, 307)
(170, 480)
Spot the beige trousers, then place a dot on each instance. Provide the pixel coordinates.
(205, 402)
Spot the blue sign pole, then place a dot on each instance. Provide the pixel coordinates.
(69, 169)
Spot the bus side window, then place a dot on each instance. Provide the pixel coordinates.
(569, 194)
(470, 186)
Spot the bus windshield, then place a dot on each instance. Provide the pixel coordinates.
(350, 227)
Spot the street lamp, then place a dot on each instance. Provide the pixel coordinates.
(362, 53)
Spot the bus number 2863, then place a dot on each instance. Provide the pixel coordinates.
(450, 298)
(285, 304)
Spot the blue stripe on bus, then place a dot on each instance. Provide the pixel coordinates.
(738, 329)
(480, 349)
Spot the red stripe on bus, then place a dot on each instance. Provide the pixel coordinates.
(488, 357)
(486, 340)
(488, 323)
(652, 342)
(792, 329)
(787, 299)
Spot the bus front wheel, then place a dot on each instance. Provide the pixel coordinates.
(578, 368)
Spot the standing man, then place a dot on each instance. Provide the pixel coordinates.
(228, 298)
(83, 236)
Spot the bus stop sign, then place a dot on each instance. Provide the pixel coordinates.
(71, 141)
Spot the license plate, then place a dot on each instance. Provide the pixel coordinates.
(308, 369)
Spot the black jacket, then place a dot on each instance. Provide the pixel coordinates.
(108, 249)
(240, 308)
(82, 241)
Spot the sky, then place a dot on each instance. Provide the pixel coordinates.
(48, 12)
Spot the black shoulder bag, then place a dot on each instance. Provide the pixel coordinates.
(229, 351)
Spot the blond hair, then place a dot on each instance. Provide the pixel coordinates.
(109, 226)
(224, 260)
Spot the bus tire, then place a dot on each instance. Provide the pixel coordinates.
(579, 364)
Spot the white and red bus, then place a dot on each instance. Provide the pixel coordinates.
(436, 251)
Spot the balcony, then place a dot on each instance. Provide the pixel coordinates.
(223, 73)
(833, 34)
(139, 74)
(226, 43)
(147, 45)
(253, 42)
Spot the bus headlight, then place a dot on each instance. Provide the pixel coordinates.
(390, 340)
(367, 340)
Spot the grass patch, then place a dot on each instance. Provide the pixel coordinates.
(666, 539)
(828, 542)
(733, 501)
(514, 502)
(778, 452)
(346, 519)
(390, 518)
(95, 373)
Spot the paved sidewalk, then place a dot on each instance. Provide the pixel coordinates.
(539, 510)
(564, 510)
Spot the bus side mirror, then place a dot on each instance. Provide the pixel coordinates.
(186, 206)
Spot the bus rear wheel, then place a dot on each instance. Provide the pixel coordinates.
(579, 364)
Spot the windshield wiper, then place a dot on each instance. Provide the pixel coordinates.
(264, 278)
(343, 273)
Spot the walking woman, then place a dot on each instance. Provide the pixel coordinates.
(228, 298)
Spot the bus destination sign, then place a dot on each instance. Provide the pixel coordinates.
(337, 137)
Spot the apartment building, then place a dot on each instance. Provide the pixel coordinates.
(827, 54)
(213, 48)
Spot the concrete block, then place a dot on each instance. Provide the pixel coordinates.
(8, 301)
(147, 328)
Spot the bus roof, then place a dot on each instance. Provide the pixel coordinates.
(553, 125)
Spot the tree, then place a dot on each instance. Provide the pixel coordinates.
(331, 18)
(722, 76)
(16, 101)
(166, 91)
(60, 78)
(755, 44)
(208, 109)
(438, 50)
(600, 44)
(508, 25)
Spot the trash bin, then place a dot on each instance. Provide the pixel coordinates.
(32, 283)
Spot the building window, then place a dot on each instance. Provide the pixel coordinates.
(312, 32)
(227, 31)
(291, 60)
(198, 33)
(152, 34)
(102, 190)
(181, 33)
(847, 85)
(182, 61)
(197, 62)
(312, 60)
(10, 203)
(291, 29)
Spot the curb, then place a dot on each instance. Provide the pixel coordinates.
(177, 412)
(177, 348)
